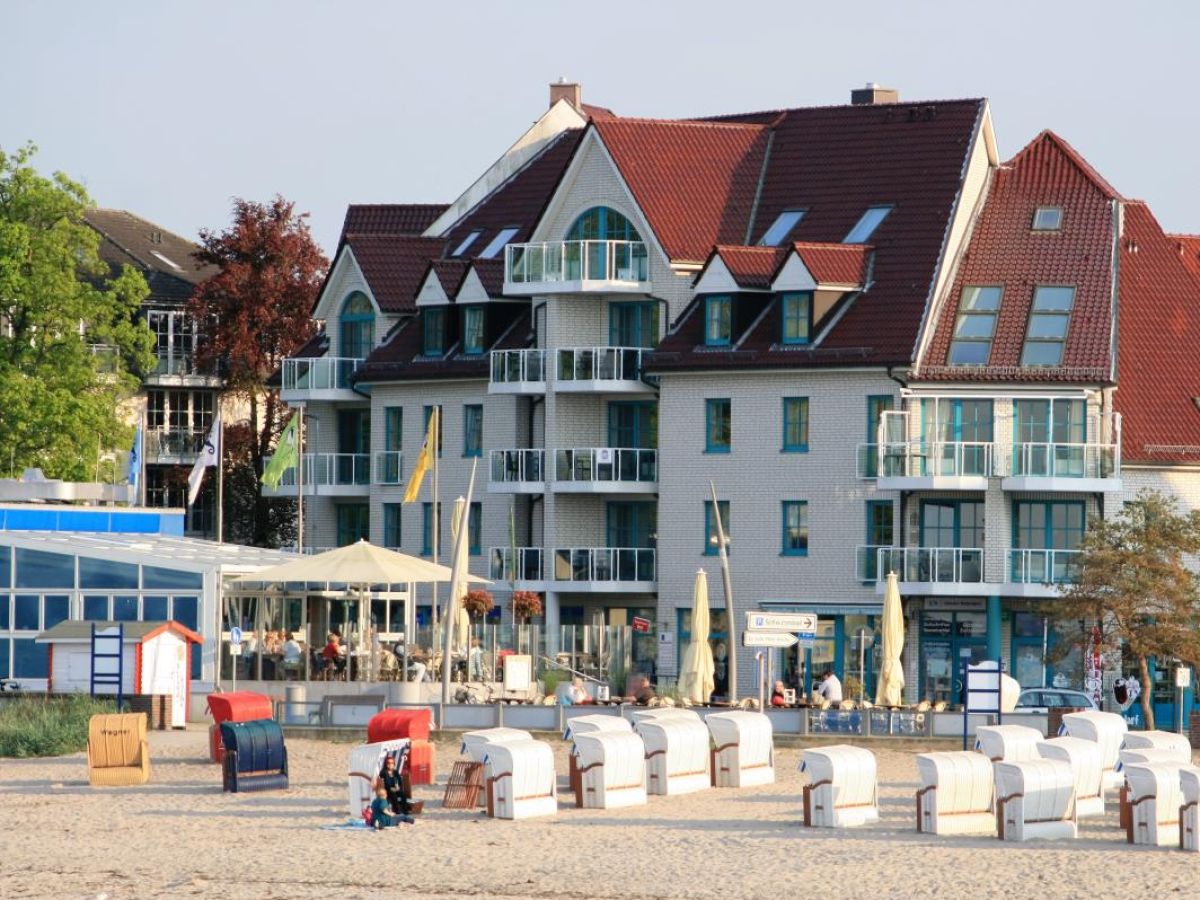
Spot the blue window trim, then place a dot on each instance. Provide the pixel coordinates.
(393, 428)
(803, 446)
(710, 406)
(619, 229)
(427, 528)
(710, 527)
(709, 303)
(467, 313)
(869, 536)
(632, 306)
(468, 451)
(785, 301)
(475, 529)
(1051, 404)
(352, 327)
(958, 505)
(784, 549)
(1048, 530)
(393, 521)
(429, 315)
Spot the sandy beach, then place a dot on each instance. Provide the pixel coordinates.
(180, 836)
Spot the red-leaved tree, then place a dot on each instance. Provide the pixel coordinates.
(257, 311)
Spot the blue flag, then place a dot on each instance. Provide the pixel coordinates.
(135, 459)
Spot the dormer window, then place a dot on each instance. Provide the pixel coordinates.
(433, 337)
(466, 243)
(473, 334)
(1047, 218)
(975, 326)
(1048, 321)
(718, 320)
(797, 317)
(871, 219)
(498, 243)
(781, 227)
(357, 322)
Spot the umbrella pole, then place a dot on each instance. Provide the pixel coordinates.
(464, 526)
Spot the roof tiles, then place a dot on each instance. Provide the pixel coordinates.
(394, 266)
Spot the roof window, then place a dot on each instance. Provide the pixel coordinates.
(781, 227)
(170, 262)
(498, 243)
(1047, 218)
(1048, 321)
(871, 219)
(975, 326)
(466, 243)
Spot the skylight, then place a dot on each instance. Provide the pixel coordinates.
(781, 227)
(466, 242)
(498, 243)
(170, 262)
(1047, 218)
(1048, 323)
(975, 326)
(871, 219)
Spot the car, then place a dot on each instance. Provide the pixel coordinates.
(1045, 699)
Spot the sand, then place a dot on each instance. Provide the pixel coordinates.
(180, 836)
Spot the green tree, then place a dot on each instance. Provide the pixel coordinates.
(70, 336)
(1135, 584)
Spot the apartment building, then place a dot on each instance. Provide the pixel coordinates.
(885, 348)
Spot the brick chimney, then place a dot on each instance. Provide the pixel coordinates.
(566, 90)
(873, 95)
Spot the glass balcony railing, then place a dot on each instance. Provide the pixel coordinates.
(162, 443)
(517, 466)
(525, 566)
(389, 465)
(1042, 566)
(174, 362)
(106, 357)
(326, 373)
(917, 459)
(518, 366)
(558, 262)
(591, 564)
(1045, 460)
(599, 364)
(331, 470)
(605, 465)
(948, 565)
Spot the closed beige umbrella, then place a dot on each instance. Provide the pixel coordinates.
(462, 621)
(890, 691)
(696, 682)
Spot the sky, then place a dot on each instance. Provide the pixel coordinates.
(170, 110)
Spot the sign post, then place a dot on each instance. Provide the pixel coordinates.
(1183, 681)
(235, 651)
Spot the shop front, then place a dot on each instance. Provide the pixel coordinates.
(847, 644)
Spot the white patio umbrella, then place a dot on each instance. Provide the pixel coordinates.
(696, 682)
(458, 589)
(890, 691)
(356, 564)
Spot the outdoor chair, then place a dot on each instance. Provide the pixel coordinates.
(1155, 801)
(956, 794)
(521, 782)
(743, 754)
(1189, 812)
(1177, 745)
(1106, 729)
(255, 756)
(1035, 799)
(842, 791)
(676, 752)
(1084, 760)
(1007, 743)
(118, 754)
(611, 769)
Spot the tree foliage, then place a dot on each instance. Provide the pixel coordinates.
(258, 307)
(1136, 586)
(59, 305)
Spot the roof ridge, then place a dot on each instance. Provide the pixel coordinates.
(702, 123)
(1074, 156)
(785, 110)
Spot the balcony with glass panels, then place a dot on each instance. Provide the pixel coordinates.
(927, 571)
(576, 267)
(524, 569)
(327, 475)
(605, 470)
(517, 372)
(934, 465)
(1065, 465)
(320, 378)
(173, 447)
(605, 370)
(1039, 572)
(389, 467)
(602, 570)
(519, 471)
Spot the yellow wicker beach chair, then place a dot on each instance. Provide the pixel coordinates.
(117, 753)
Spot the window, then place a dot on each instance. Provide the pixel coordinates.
(877, 405)
(427, 528)
(27, 612)
(781, 227)
(718, 427)
(157, 578)
(880, 533)
(591, 260)
(5, 568)
(497, 243)
(600, 223)
(466, 243)
(391, 526)
(475, 529)
(3, 616)
(1044, 534)
(710, 527)
(97, 572)
(40, 569)
(951, 523)
(95, 609)
(357, 326)
(125, 608)
(1049, 437)
(433, 341)
(633, 324)
(393, 427)
(154, 609)
(353, 523)
(441, 425)
(718, 320)
(31, 659)
(473, 332)
(186, 611)
(975, 326)
(473, 429)
(795, 528)
(795, 424)
(1047, 218)
(1048, 323)
(797, 318)
(866, 226)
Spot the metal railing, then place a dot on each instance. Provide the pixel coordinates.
(916, 459)
(527, 565)
(517, 366)
(866, 562)
(599, 364)
(552, 262)
(1051, 460)
(389, 466)
(589, 564)
(162, 442)
(606, 464)
(324, 373)
(329, 469)
(943, 565)
(1042, 566)
(517, 466)
(174, 362)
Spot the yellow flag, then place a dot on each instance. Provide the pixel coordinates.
(424, 458)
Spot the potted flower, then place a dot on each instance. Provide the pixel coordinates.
(478, 603)
(525, 605)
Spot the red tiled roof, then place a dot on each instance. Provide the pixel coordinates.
(1004, 250)
(491, 275)
(1157, 374)
(394, 266)
(836, 263)
(1188, 246)
(753, 268)
(694, 181)
(390, 218)
(450, 273)
(401, 357)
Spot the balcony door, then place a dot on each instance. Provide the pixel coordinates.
(951, 526)
(1049, 436)
(354, 444)
(961, 432)
(633, 324)
(633, 424)
(1045, 535)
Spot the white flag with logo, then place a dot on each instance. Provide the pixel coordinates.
(210, 454)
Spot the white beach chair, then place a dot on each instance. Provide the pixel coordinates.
(1106, 729)
(474, 743)
(1155, 799)
(676, 754)
(1142, 756)
(596, 722)
(744, 754)
(1035, 799)
(363, 767)
(1007, 743)
(1084, 759)
(612, 769)
(653, 714)
(1176, 744)
(842, 791)
(956, 794)
(520, 779)
(1189, 813)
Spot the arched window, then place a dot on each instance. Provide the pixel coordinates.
(593, 259)
(603, 224)
(358, 326)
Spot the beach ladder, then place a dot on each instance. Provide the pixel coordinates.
(108, 667)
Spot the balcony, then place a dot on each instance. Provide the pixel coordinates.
(605, 470)
(1091, 468)
(526, 573)
(321, 378)
(517, 472)
(107, 358)
(576, 267)
(605, 370)
(328, 475)
(934, 465)
(1037, 573)
(603, 569)
(178, 367)
(167, 447)
(389, 467)
(932, 571)
(518, 372)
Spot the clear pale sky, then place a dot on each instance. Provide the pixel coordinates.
(170, 109)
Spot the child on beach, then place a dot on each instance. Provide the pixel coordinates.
(381, 813)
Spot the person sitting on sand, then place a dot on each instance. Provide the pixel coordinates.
(643, 692)
(777, 697)
(381, 816)
(392, 782)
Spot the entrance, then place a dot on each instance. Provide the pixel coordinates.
(947, 640)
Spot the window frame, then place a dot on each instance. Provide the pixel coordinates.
(710, 527)
(723, 303)
(475, 529)
(864, 222)
(786, 316)
(1048, 209)
(427, 528)
(711, 406)
(502, 239)
(962, 314)
(472, 429)
(802, 406)
(1030, 342)
(466, 242)
(393, 525)
(468, 314)
(433, 318)
(787, 506)
(785, 227)
(356, 329)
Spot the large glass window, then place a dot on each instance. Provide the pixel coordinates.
(975, 326)
(95, 572)
(795, 424)
(783, 225)
(950, 423)
(95, 608)
(865, 227)
(710, 527)
(31, 659)
(159, 578)
(39, 569)
(795, 528)
(474, 341)
(1048, 321)
(1049, 437)
(427, 529)
(353, 523)
(393, 427)
(633, 324)
(357, 321)
(880, 533)
(4, 600)
(475, 529)
(186, 611)
(5, 657)
(797, 318)
(877, 405)
(951, 523)
(56, 608)
(5, 567)
(600, 223)
(391, 526)
(27, 612)
(718, 320)
(433, 338)
(125, 608)
(498, 243)
(472, 429)
(155, 609)
(597, 225)
(1046, 534)
(718, 425)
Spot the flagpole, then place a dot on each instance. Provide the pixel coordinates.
(142, 463)
(300, 480)
(220, 474)
(437, 443)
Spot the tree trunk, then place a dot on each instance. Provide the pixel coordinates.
(1147, 692)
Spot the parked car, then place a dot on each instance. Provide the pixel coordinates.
(1045, 699)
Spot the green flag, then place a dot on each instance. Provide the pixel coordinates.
(285, 457)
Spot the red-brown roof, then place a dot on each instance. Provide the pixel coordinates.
(1004, 250)
(835, 263)
(402, 357)
(394, 266)
(753, 268)
(450, 273)
(390, 218)
(1188, 246)
(1158, 379)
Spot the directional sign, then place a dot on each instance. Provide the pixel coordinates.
(778, 621)
(767, 639)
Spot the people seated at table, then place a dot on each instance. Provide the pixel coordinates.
(333, 657)
(830, 688)
(778, 698)
(643, 691)
(291, 656)
(577, 695)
